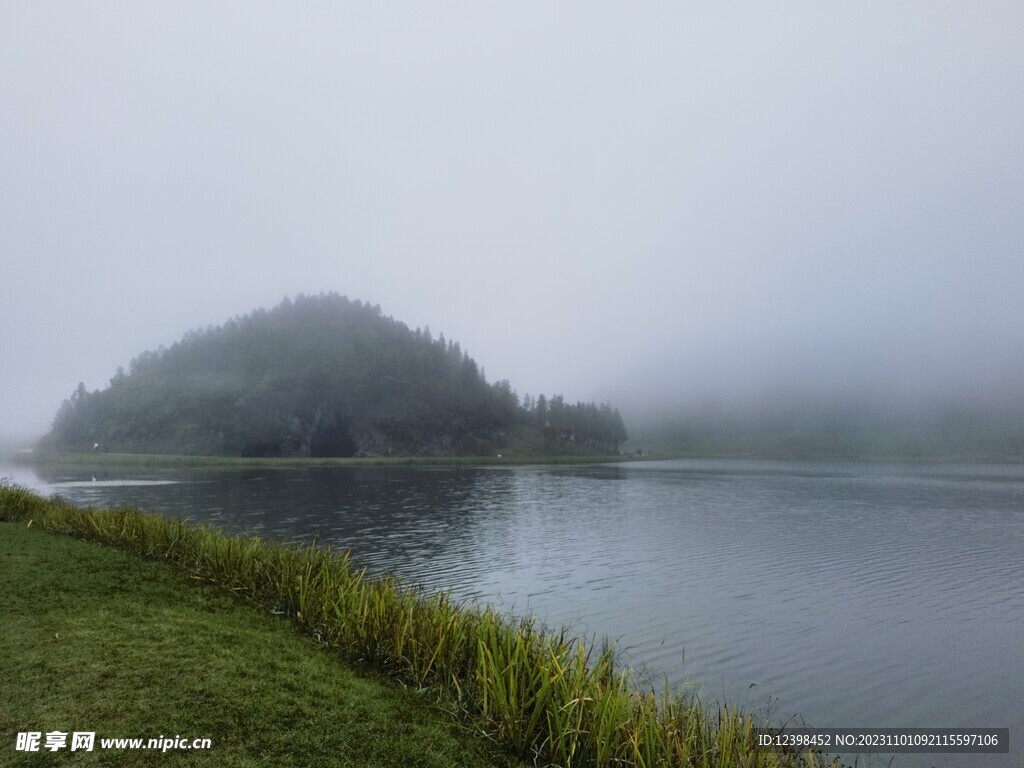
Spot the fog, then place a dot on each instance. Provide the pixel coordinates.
(659, 204)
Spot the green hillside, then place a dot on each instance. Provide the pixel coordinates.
(317, 376)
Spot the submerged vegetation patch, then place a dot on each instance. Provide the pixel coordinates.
(547, 695)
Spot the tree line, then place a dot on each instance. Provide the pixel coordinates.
(318, 376)
(593, 426)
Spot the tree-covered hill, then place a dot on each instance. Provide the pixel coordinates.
(317, 376)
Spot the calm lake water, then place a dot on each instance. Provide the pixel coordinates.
(842, 594)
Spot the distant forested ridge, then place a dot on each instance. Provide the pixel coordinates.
(318, 376)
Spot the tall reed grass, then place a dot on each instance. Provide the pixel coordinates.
(547, 695)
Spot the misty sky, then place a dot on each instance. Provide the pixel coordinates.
(638, 201)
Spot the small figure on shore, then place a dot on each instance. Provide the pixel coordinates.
(95, 447)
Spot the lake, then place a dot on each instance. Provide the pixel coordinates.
(840, 594)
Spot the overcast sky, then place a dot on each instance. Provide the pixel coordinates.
(624, 200)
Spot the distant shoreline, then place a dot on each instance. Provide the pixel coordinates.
(143, 460)
(227, 462)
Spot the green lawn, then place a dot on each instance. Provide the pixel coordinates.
(95, 639)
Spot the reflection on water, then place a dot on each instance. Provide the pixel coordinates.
(849, 594)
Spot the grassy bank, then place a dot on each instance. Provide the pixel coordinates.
(544, 695)
(100, 640)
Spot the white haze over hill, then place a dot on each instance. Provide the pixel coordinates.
(655, 203)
